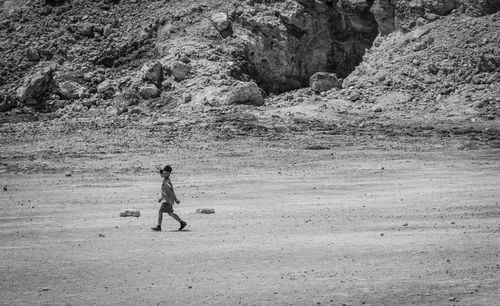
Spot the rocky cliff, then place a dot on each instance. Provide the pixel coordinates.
(108, 56)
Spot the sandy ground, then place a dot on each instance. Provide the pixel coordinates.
(296, 227)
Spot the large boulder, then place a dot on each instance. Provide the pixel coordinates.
(301, 37)
(152, 72)
(36, 84)
(323, 81)
(71, 90)
(245, 93)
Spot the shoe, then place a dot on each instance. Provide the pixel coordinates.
(183, 225)
(157, 228)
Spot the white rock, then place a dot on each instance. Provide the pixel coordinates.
(130, 213)
(220, 21)
(104, 86)
(149, 91)
(205, 211)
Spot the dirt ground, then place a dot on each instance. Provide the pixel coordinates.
(344, 225)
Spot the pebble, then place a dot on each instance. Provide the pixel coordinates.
(205, 211)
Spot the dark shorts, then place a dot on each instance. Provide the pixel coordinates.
(166, 208)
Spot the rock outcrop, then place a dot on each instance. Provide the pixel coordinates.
(292, 40)
(403, 15)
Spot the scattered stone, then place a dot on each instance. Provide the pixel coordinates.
(179, 70)
(418, 32)
(149, 91)
(130, 97)
(137, 111)
(432, 69)
(104, 86)
(85, 29)
(377, 109)
(5, 188)
(36, 84)
(67, 174)
(88, 76)
(130, 213)
(121, 110)
(166, 85)
(107, 30)
(186, 98)
(245, 93)
(431, 16)
(71, 90)
(382, 234)
(421, 21)
(205, 211)
(355, 96)
(452, 299)
(323, 81)
(406, 224)
(316, 147)
(220, 21)
(185, 59)
(102, 235)
(380, 76)
(7, 102)
(152, 72)
(32, 54)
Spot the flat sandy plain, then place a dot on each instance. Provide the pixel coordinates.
(343, 225)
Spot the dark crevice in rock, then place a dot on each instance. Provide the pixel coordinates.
(293, 29)
(308, 37)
